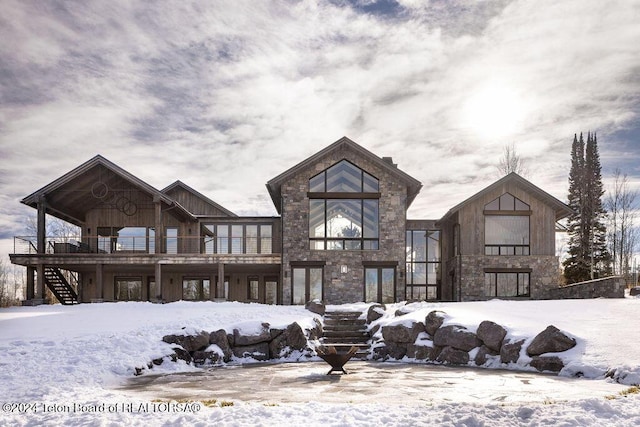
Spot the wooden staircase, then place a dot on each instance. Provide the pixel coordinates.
(59, 285)
(343, 330)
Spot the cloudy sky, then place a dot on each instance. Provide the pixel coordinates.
(226, 95)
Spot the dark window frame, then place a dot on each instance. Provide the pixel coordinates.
(518, 272)
(200, 288)
(214, 239)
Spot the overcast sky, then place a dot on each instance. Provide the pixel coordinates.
(226, 95)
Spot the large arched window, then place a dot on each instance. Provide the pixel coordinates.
(343, 209)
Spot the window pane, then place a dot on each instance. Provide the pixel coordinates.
(344, 177)
(252, 239)
(419, 276)
(316, 184)
(507, 202)
(370, 245)
(253, 288)
(371, 285)
(433, 270)
(420, 245)
(299, 283)
(490, 284)
(493, 205)
(432, 292)
(271, 291)
(433, 249)
(266, 239)
(222, 242)
(128, 289)
(370, 217)
(315, 283)
(236, 239)
(171, 240)
(344, 218)
(388, 281)
(521, 206)
(369, 183)
(132, 239)
(506, 230)
(316, 218)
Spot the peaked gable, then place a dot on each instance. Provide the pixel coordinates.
(93, 183)
(195, 202)
(560, 208)
(274, 185)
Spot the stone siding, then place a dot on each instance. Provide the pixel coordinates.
(608, 287)
(471, 268)
(343, 287)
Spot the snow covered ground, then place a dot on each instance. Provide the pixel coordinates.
(67, 365)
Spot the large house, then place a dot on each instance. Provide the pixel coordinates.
(342, 236)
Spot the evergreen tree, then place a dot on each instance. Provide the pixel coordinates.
(595, 214)
(588, 257)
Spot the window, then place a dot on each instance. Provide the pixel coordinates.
(422, 265)
(253, 288)
(380, 284)
(306, 284)
(338, 221)
(506, 284)
(128, 289)
(271, 290)
(126, 239)
(237, 239)
(506, 226)
(171, 240)
(196, 289)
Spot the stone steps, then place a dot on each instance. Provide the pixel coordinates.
(344, 329)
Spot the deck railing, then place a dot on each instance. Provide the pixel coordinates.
(188, 245)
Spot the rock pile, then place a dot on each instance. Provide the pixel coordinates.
(456, 345)
(208, 348)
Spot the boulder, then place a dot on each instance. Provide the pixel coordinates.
(205, 357)
(551, 340)
(483, 355)
(293, 338)
(453, 356)
(375, 312)
(491, 334)
(315, 333)
(189, 342)
(401, 333)
(420, 352)
(259, 351)
(390, 349)
(433, 321)
(510, 351)
(547, 363)
(220, 338)
(634, 292)
(402, 311)
(457, 337)
(315, 306)
(180, 354)
(241, 340)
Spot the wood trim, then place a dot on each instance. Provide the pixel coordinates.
(323, 195)
(508, 270)
(508, 213)
(307, 263)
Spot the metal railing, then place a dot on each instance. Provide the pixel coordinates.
(188, 245)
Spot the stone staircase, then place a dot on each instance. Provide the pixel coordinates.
(344, 329)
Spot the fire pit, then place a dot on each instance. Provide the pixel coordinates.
(337, 360)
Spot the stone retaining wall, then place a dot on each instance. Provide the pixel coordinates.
(608, 287)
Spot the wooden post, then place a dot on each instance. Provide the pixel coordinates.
(40, 282)
(42, 226)
(31, 284)
(159, 229)
(100, 281)
(220, 285)
(158, 279)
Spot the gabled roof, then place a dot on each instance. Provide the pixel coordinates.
(274, 185)
(72, 195)
(181, 185)
(560, 208)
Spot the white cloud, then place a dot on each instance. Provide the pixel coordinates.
(224, 96)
